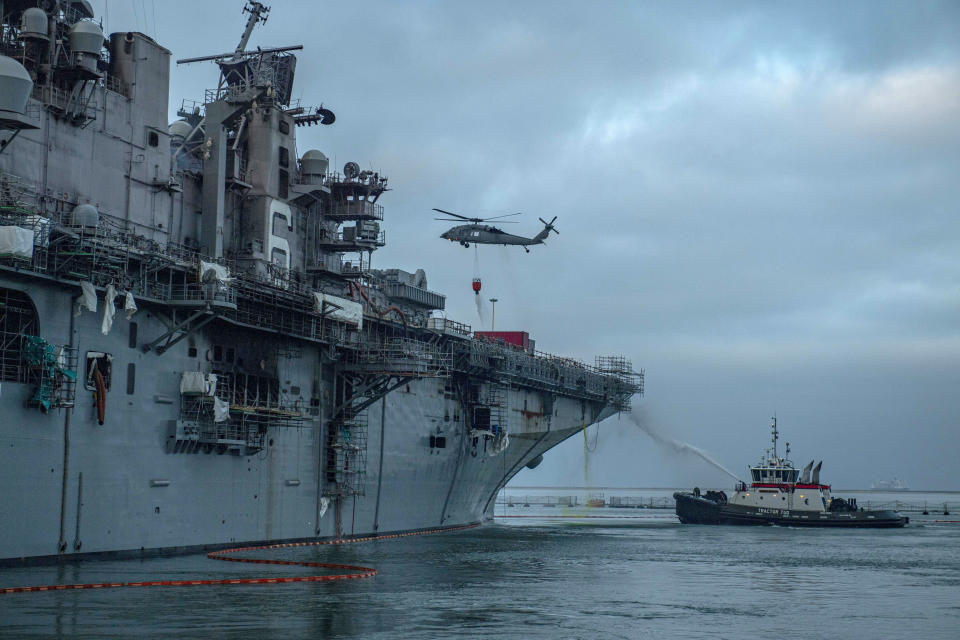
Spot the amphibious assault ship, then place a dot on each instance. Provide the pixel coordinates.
(194, 349)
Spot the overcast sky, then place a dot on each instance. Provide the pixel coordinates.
(757, 202)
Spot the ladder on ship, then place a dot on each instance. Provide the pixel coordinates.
(491, 418)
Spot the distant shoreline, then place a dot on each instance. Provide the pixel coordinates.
(571, 488)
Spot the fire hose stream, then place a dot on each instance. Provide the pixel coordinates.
(354, 572)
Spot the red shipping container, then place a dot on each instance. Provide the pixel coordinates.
(517, 338)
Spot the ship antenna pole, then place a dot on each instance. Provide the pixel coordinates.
(258, 13)
(773, 428)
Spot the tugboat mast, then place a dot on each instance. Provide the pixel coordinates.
(773, 429)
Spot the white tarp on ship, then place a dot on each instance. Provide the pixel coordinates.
(16, 242)
(196, 383)
(221, 410)
(109, 309)
(87, 299)
(213, 272)
(338, 308)
(499, 444)
(129, 305)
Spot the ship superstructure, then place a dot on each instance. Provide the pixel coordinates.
(194, 349)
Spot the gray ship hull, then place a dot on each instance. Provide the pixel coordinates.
(117, 488)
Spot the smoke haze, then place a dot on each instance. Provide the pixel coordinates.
(677, 447)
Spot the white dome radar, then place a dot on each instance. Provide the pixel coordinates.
(15, 87)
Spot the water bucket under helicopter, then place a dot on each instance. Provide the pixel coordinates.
(476, 286)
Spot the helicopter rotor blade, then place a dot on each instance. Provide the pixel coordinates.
(451, 213)
(508, 215)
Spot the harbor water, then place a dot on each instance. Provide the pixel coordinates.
(553, 573)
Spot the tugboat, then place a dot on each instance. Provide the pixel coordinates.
(780, 494)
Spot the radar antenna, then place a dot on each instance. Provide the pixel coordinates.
(258, 13)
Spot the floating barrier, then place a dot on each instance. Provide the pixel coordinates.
(356, 572)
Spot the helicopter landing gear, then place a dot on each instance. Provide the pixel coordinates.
(527, 250)
(466, 244)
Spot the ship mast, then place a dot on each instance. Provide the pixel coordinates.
(258, 13)
(773, 429)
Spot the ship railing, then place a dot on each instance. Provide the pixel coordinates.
(447, 325)
(116, 85)
(511, 500)
(189, 107)
(65, 101)
(265, 75)
(355, 210)
(405, 357)
(351, 270)
(214, 293)
(415, 295)
(16, 191)
(912, 506)
(245, 426)
(546, 371)
(341, 242)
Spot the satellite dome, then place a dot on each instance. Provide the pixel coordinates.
(314, 163)
(33, 24)
(85, 215)
(15, 86)
(179, 129)
(86, 37)
(83, 7)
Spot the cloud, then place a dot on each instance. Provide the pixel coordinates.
(742, 190)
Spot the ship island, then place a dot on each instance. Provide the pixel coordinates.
(195, 351)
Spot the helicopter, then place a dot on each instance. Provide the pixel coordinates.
(479, 233)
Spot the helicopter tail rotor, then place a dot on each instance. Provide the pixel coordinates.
(549, 225)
